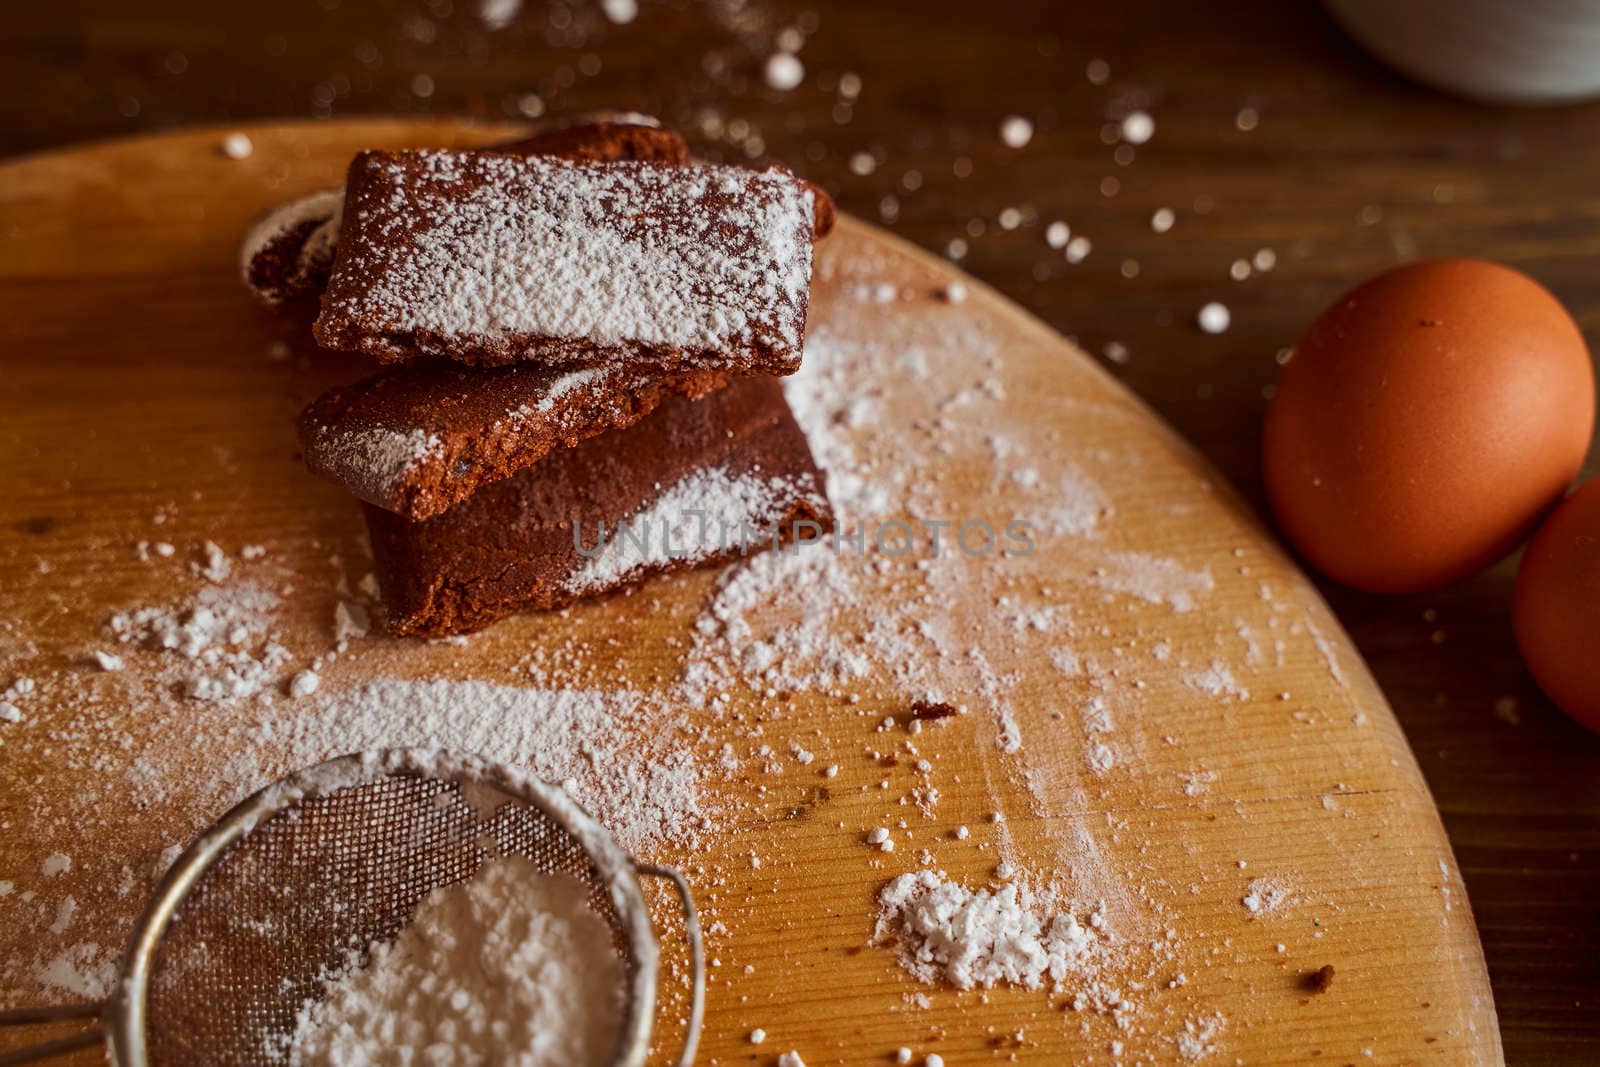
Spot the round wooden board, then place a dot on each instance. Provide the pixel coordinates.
(1158, 704)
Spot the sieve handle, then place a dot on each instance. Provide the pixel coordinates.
(697, 957)
(46, 1049)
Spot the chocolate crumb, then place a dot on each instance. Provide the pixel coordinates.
(1320, 980)
(930, 710)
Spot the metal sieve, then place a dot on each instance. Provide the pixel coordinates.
(279, 893)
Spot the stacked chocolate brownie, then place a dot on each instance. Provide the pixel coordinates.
(584, 328)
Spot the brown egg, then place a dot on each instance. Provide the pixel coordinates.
(1424, 423)
(1557, 605)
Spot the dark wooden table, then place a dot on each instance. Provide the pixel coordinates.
(1348, 170)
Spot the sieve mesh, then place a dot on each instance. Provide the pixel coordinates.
(307, 892)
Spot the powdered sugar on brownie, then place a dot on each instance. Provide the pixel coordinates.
(377, 458)
(420, 438)
(706, 514)
(576, 379)
(492, 258)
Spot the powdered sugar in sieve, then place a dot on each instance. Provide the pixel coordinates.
(289, 925)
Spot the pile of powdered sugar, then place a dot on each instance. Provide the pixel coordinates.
(968, 938)
(511, 966)
(219, 644)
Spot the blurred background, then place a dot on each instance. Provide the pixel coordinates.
(1281, 165)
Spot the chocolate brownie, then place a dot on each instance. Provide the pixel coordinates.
(418, 438)
(697, 482)
(492, 259)
(288, 253)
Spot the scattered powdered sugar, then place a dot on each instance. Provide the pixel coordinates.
(1078, 507)
(214, 566)
(350, 620)
(304, 683)
(1198, 1038)
(1151, 578)
(1016, 131)
(1214, 318)
(1137, 127)
(1217, 680)
(511, 966)
(498, 14)
(66, 908)
(704, 514)
(784, 71)
(839, 398)
(624, 757)
(85, 970)
(1329, 654)
(775, 619)
(220, 643)
(1265, 895)
(1101, 757)
(237, 145)
(12, 698)
(949, 933)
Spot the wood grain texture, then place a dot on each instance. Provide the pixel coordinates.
(1350, 171)
(139, 383)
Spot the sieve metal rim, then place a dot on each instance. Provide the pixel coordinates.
(125, 1014)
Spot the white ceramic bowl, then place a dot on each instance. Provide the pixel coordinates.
(1500, 51)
